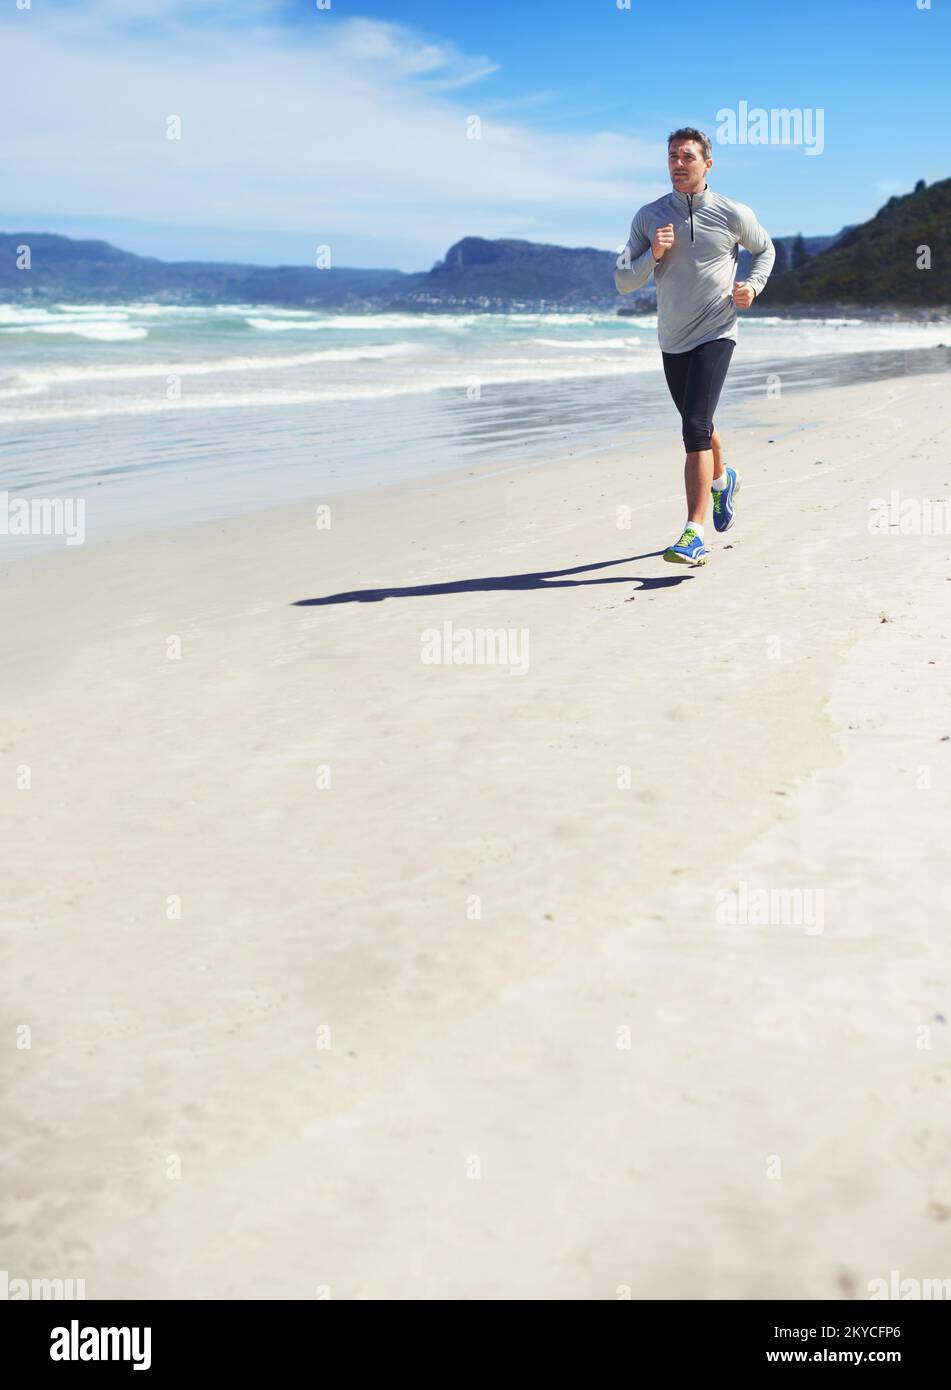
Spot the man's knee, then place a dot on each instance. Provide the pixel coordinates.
(698, 434)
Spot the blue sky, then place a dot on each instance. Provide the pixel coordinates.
(347, 127)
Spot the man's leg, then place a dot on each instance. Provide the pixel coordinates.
(717, 445)
(708, 369)
(676, 367)
(698, 475)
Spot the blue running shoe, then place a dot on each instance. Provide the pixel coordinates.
(723, 514)
(689, 550)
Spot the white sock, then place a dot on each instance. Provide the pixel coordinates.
(720, 483)
(695, 526)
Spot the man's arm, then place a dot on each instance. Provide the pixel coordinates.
(635, 264)
(755, 239)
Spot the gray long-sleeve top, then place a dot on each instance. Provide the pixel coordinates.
(694, 279)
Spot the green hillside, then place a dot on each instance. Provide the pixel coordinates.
(876, 262)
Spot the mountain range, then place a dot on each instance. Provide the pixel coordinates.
(475, 273)
(872, 264)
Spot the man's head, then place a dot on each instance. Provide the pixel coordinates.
(689, 156)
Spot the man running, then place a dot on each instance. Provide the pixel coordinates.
(688, 241)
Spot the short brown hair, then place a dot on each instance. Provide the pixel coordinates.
(688, 133)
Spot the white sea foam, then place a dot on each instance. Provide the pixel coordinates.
(22, 315)
(797, 338)
(15, 314)
(598, 343)
(835, 323)
(579, 320)
(499, 373)
(376, 322)
(14, 392)
(285, 325)
(44, 377)
(100, 330)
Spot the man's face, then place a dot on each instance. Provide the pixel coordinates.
(687, 166)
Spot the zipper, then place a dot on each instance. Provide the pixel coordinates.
(690, 205)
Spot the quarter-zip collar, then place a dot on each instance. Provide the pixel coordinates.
(694, 200)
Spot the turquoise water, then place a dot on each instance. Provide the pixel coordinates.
(158, 415)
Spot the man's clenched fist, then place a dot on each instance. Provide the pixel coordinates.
(663, 241)
(743, 296)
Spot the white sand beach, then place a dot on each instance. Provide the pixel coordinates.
(450, 1008)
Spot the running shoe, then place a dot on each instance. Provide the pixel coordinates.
(723, 512)
(689, 550)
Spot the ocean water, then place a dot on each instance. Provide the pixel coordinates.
(158, 415)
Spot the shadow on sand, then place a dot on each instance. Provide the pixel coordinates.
(545, 579)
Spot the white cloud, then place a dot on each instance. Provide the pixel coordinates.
(342, 129)
(364, 42)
